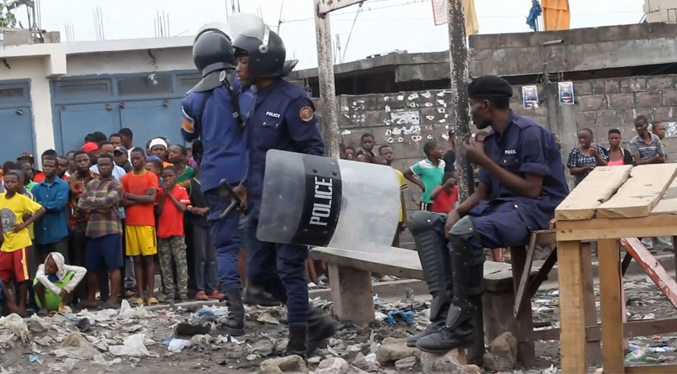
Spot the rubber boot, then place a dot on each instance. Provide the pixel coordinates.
(297, 341)
(234, 323)
(257, 295)
(321, 327)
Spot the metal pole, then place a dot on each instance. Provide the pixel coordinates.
(325, 69)
(458, 61)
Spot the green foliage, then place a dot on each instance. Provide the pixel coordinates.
(7, 19)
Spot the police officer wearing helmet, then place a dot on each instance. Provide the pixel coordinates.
(211, 119)
(282, 117)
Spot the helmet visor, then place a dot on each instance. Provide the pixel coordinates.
(251, 26)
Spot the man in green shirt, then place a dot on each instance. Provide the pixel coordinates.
(427, 173)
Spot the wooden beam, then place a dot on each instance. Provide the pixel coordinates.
(351, 294)
(640, 193)
(526, 350)
(611, 309)
(595, 189)
(651, 369)
(603, 228)
(652, 267)
(630, 330)
(668, 203)
(523, 284)
(592, 348)
(572, 316)
(543, 272)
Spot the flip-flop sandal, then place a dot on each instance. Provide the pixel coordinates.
(153, 301)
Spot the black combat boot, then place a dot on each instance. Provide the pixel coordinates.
(234, 322)
(428, 231)
(467, 261)
(297, 341)
(257, 295)
(320, 328)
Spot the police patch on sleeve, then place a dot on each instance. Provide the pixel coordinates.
(306, 113)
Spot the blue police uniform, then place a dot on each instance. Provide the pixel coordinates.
(525, 147)
(224, 156)
(282, 117)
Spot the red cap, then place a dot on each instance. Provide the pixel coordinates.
(89, 147)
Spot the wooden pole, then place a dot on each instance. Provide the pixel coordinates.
(325, 74)
(458, 60)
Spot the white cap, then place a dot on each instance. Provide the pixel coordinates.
(157, 141)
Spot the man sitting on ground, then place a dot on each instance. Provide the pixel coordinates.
(54, 283)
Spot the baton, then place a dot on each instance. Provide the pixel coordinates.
(236, 200)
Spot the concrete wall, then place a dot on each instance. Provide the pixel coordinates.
(126, 62)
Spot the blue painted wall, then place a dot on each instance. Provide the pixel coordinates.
(16, 123)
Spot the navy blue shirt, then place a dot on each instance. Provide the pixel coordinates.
(525, 147)
(223, 139)
(53, 226)
(283, 117)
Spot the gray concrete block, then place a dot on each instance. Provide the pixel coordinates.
(597, 86)
(582, 88)
(633, 84)
(592, 102)
(621, 100)
(586, 119)
(648, 99)
(612, 85)
(660, 83)
(609, 118)
(669, 97)
(665, 114)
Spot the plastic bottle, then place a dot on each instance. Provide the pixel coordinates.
(638, 355)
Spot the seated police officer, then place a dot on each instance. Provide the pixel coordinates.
(521, 181)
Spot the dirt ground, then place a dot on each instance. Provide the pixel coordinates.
(644, 301)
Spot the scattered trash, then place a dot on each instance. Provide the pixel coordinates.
(201, 341)
(188, 329)
(75, 346)
(638, 355)
(377, 301)
(649, 316)
(177, 345)
(33, 358)
(133, 345)
(67, 365)
(380, 316)
(16, 325)
(83, 325)
(266, 317)
(262, 348)
(408, 296)
(407, 317)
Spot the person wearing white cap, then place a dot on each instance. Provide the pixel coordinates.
(158, 147)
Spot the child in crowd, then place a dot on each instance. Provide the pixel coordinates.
(428, 173)
(14, 252)
(140, 191)
(350, 153)
(54, 283)
(171, 204)
(204, 251)
(444, 197)
(155, 166)
(367, 144)
(364, 157)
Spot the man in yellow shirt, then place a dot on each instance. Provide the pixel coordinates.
(16, 239)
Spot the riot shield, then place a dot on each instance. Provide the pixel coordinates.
(322, 201)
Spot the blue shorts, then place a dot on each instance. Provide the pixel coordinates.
(499, 224)
(104, 253)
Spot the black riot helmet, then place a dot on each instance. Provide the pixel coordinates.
(266, 54)
(212, 54)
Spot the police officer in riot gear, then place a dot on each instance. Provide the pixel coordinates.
(521, 182)
(282, 117)
(211, 118)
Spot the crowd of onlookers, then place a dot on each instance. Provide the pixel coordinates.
(102, 213)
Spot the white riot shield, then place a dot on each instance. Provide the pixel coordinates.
(322, 201)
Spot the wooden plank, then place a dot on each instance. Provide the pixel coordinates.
(652, 267)
(572, 316)
(406, 264)
(592, 348)
(526, 351)
(521, 287)
(351, 294)
(640, 193)
(543, 272)
(595, 189)
(611, 309)
(650, 369)
(604, 228)
(630, 330)
(668, 203)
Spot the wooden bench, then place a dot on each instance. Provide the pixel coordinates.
(351, 290)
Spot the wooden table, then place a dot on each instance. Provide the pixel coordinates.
(611, 203)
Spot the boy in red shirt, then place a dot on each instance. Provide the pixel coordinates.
(444, 197)
(172, 202)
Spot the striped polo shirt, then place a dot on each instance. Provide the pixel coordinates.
(646, 150)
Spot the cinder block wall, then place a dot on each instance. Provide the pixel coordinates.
(407, 120)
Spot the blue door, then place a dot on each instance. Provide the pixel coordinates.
(16, 132)
(80, 120)
(149, 119)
